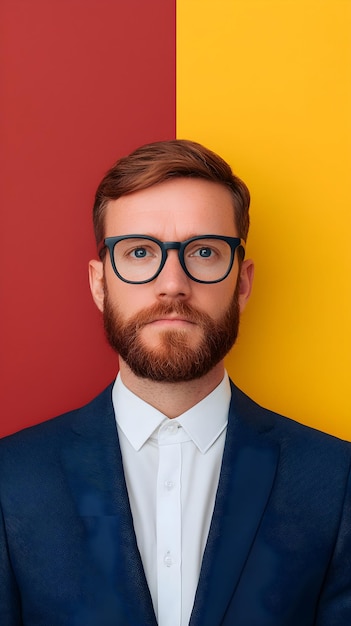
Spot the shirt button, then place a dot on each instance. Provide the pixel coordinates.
(169, 485)
(168, 560)
(172, 429)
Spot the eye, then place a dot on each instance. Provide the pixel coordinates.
(132, 250)
(139, 253)
(205, 252)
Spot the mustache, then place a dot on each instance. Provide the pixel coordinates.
(159, 310)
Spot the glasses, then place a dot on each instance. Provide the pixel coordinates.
(139, 259)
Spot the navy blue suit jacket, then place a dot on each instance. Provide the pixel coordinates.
(279, 546)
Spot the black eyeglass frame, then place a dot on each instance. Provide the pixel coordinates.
(110, 242)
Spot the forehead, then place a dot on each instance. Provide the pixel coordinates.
(172, 210)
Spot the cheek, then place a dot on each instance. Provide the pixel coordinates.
(218, 298)
(128, 299)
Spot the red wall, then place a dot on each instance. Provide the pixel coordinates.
(82, 82)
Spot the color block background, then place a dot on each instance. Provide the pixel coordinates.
(82, 82)
(266, 83)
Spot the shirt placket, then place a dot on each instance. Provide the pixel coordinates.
(169, 524)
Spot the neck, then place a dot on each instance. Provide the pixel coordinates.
(172, 399)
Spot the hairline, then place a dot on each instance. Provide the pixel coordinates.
(100, 215)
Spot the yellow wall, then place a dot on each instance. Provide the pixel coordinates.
(266, 83)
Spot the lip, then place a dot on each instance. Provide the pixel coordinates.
(169, 321)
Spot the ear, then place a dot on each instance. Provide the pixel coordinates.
(245, 282)
(96, 281)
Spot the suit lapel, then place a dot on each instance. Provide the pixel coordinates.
(247, 475)
(114, 572)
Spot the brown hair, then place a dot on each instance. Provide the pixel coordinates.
(156, 162)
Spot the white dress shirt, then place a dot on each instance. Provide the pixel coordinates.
(172, 468)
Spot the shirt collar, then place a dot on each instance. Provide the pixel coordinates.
(203, 422)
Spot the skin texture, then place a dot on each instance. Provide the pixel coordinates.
(174, 210)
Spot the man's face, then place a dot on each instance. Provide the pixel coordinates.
(172, 328)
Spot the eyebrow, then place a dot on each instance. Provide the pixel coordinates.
(185, 238)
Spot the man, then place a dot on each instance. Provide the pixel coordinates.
(173, 498)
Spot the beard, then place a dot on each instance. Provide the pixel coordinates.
(173, 360)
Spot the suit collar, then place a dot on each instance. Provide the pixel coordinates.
(94, 471)
(95, 474)
(248, 470)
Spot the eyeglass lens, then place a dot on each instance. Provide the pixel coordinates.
(139, 259)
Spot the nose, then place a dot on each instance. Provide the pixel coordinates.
(172, 281)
